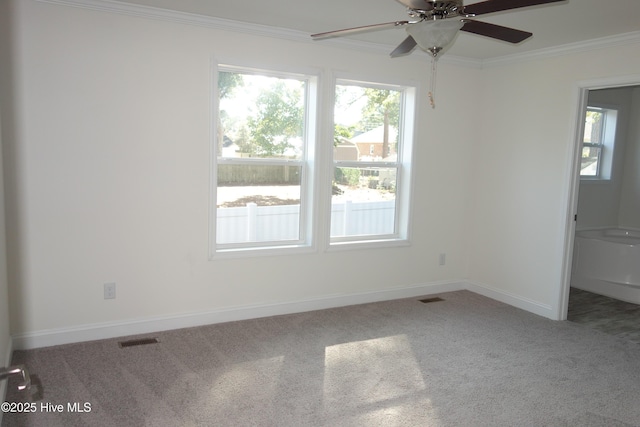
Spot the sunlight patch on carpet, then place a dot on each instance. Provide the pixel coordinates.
(248, 387)
(363, 372)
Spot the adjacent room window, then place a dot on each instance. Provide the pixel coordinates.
(598, 143)
(262, 173)
(373, 129)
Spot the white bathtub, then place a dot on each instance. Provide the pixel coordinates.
(607, 262)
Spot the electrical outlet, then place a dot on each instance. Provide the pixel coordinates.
(110, 290)
(442, 260)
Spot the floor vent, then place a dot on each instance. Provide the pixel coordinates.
(428, 300)
(143, 341)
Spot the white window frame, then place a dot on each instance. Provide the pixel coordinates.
(404, 176)
(608, 138)
(306, 240)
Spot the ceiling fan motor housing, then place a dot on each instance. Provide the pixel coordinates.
(435, 9)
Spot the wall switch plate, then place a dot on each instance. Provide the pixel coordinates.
(442, 259)
(110, 290)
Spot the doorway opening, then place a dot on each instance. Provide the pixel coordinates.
(605, 208)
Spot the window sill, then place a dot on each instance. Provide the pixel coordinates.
(368, 244)
(584, 180)
(261, 251)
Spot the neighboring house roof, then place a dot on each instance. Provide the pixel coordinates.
(375, 136)
(226, 141)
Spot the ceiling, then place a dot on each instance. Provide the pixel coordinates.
(566, 22)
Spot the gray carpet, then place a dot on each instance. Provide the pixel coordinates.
(464, 361)
(605, 314)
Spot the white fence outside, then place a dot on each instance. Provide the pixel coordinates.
(252, 223)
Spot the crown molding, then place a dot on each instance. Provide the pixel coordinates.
(566, 49)
(150, 12)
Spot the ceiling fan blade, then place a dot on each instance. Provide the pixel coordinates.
(499, 32)
(490, 6)
(417, 4)
(405, 47)
(354, 30)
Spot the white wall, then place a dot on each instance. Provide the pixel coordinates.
(630, 203)
(522, 167)
(107, 176)
(110, 174)
(5, 338)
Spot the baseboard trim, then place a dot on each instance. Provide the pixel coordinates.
(513, 300)
(91, 332)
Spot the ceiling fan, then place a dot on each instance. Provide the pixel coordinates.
(437, 22)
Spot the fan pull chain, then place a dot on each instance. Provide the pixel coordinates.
(432, 86)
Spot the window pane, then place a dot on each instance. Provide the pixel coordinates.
(366, 123)
(261, 151)
(593, 142)
(258, 203)
(363, 201)
(260, 116)
(589, 161)
(593, 127)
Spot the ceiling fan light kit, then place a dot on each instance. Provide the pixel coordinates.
(434, 36)
(438, 22)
